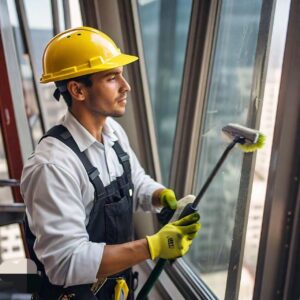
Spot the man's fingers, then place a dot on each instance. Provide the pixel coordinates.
(189, 228)
(192, 236)
(190, 219)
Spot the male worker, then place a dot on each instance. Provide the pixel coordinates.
(83, 180)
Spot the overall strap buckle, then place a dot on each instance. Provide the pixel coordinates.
(93, 173)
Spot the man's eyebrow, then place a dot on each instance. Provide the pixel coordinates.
(112, 73)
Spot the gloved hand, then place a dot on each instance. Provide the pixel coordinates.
(174, 239)
(168, 199)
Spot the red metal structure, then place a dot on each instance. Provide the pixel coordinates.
(8, 126)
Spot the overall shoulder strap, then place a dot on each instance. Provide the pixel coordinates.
(123, 158)
(62, 133)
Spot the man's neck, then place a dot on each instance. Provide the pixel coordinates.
(92, 124)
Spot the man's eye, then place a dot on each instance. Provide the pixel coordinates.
(112, 77)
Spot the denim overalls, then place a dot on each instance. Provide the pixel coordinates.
(110, 221)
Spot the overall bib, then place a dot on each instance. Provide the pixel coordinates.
(110, 221)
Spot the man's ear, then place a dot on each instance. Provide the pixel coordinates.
(77, 90)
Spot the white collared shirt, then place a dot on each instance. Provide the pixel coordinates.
(59, 197)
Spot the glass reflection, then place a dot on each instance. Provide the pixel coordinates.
(164, 27)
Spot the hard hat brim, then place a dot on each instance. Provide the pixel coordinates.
(115, 62)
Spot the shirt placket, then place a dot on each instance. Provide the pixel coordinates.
(108, 158)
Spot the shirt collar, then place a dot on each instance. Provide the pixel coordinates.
(83, 137)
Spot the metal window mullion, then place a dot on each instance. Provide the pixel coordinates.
(23, 21)
(248, 165)
(67, 14)
(193, 94)
(55, 17)
(90, 13)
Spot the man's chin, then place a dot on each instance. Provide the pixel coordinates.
(118, 114)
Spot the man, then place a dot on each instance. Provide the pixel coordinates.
(83, 180)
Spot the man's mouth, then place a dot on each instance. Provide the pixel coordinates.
(122, 99)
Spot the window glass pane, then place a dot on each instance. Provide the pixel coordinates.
(40, 25)
(61, 18)
(41, 30)
(75, 13)
(263, 156)
(228, 101)
(164, 27)
(31, 108)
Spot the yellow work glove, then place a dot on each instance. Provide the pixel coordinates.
(174, 239)
(168, 199)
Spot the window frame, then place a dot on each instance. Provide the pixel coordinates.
(190, 124)
(14, 122)
(248, 164)
(277, 275)
(13, 116)
(27, 41)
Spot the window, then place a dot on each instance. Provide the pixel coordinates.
(228, 101)
(30, 97)
(164, 27)
(268, 115)
(41, 31)
(40, 25)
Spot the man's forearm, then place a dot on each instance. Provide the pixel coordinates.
(117, 258)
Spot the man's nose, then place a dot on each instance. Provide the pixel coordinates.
(125, 87)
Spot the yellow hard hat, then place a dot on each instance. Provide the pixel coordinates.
(81, 51)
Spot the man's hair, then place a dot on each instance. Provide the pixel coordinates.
(85, 79)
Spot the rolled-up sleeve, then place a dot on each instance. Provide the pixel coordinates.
(56, 216)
